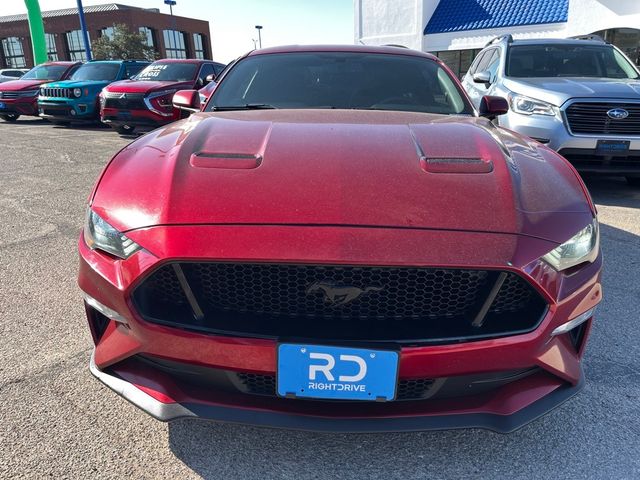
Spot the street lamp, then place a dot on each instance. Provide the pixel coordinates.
(259, 27)
(171, 3)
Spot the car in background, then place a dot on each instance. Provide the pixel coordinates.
(20, 97)
(8, 74)
(580, 97)
(145, 101)
(76, 99)
(340, 241)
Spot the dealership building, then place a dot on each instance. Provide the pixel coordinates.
(171, 36)
(456, 30)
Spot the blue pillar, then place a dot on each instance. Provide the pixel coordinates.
(85, 33)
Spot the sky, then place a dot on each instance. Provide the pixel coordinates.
(232, 22)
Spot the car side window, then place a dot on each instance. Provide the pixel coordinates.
(493, 64)
(206, 70)
(133, 69)
(487, 57)
(476, 62)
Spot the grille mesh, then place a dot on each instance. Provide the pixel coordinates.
(592, 118)
(128, 101)
(260, 384)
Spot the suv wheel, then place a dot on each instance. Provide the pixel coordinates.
(633, 181)
(125, 129)
(10, 117)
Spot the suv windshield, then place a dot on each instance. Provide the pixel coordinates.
(600, 61)
(175, 72)
(45, 72)
(97, 71)
(345, 80)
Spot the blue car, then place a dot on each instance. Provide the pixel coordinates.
(76, 99)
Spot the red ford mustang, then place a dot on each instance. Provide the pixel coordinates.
(340, 242)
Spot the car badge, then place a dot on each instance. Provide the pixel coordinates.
(123, 96)
(618, 113)
(339, 295)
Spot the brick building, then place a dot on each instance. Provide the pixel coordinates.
(172, 37)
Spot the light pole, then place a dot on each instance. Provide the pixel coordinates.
(171, 3)
(85, 33)
(259, 27)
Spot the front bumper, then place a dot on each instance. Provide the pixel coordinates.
(579, 149)
(67, 109)
(136, 118)
(557, 359)
(483, 416)
(20, 106)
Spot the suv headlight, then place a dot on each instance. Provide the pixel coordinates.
(99, 235)
(582, 247)
(77, 92)
(531, 106)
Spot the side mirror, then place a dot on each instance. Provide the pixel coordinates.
(209, 79)
(187, 100)
(491, 107)
(482, 77)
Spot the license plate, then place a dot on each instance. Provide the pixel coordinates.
(338, 373)
(3, 105)
(612, 146)
(124, 114)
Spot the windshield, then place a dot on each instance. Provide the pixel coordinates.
(174, 72)
(599, 61)
(344, 80)
(97, 71)
(46, 72)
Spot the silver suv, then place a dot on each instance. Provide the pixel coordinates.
(580, 97)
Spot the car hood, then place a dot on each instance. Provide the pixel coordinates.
(339, 167)
(78, 84)
(16, 85)
(144, 86)
(558, 90)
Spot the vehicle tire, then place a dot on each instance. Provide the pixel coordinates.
(10, 117)
(125, 129)
(633, 181)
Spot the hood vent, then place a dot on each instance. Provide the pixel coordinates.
(456, 165)
(225, 160)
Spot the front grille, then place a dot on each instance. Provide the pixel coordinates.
(590, 160)
(260, 384)
(10, 95)
(592, 118)
(56, 92)
(349, 303)
(125, 101)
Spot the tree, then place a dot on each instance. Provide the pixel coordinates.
(123, 44)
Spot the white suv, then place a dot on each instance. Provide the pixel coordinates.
(8, 74)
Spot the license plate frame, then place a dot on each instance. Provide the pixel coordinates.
(613, 147)
(294, 372)
(3, 105)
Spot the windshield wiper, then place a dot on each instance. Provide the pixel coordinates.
(246, 106)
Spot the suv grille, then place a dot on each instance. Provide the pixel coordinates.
(125, 101)
(592, 118)
(337, 302)
(56, 92)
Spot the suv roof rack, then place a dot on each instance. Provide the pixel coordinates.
(591, 36)
(394, 45)
(508, 37)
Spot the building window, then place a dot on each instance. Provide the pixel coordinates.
(107, 32)
(199, 50)
(52, 51)
(75, 46)
(174, 44)
(148, 33)
(13, 52)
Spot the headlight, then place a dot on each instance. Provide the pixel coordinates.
(77, 92)
(530, 106)
(582, 247)
(98, 234)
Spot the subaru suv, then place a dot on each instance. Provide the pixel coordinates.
(146, 100)
(579, 96)
(76, 99)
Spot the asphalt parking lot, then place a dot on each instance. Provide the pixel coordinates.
(56, 420)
